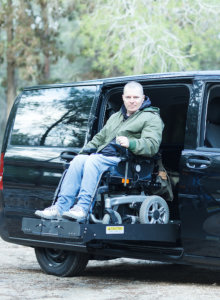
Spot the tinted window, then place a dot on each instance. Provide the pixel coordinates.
(53, 117)
(212, 133)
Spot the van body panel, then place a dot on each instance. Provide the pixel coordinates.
(200, 203)
(31, 176)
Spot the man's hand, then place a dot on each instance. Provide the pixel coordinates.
(123, 141)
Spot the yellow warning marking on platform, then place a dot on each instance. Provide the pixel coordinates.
(114, 229)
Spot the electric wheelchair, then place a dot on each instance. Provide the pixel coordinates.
(128, 193)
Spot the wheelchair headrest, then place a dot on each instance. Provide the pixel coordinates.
(213, 115)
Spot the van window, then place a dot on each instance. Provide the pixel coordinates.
(212, 131)
(56, 117)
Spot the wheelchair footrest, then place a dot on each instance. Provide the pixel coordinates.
(88, 232)
(53, 228)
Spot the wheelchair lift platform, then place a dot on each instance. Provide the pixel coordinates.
(66, 229)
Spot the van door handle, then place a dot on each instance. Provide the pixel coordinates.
(198, 163)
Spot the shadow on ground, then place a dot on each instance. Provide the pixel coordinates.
(154, 272)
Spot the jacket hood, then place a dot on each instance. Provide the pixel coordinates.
(146, 103)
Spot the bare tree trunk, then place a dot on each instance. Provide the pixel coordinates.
(46, 69)
(2, 121)
(10, 59)
(10, 86)
(46, 66)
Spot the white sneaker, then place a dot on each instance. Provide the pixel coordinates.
(49, 213)
(76, 213)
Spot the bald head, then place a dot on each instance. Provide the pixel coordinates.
(134, 85)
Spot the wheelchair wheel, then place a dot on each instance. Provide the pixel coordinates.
(107, 219)
(154, 210)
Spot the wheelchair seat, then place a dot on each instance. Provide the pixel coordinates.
(139, 169)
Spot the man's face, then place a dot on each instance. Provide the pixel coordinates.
(133, 99)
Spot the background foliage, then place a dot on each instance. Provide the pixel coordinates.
(47, 41)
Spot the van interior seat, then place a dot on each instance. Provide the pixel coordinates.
(213, 124)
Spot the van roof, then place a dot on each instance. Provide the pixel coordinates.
(123, 79)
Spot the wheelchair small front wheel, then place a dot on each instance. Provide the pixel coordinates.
(154, 210)
(107, 218)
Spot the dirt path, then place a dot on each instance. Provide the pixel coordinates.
(22, 278)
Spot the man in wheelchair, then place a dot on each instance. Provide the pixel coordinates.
(136, 128)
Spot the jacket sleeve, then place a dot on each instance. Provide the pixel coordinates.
(151, 136)
(99, 138)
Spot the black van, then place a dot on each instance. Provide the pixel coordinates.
(48, 126)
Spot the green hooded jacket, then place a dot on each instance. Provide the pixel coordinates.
(143, 130)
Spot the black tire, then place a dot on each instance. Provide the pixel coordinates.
(154, 210)
(107, 219)
(61, 263)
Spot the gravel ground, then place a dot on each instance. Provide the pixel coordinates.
(22, 278)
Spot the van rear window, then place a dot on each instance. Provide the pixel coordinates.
(56, 117)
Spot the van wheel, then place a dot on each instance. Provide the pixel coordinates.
(107, 219)
(61, 263)
(154, 210)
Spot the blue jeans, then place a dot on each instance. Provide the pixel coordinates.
(81, 180)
